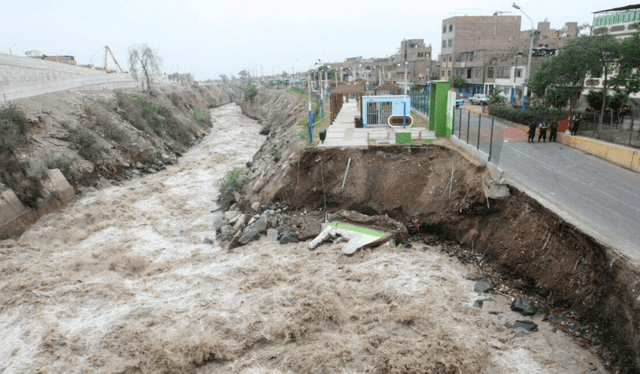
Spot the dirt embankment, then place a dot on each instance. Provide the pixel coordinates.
(279, 113)
(519, 241)
(101, 137)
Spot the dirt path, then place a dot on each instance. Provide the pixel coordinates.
(120, 282)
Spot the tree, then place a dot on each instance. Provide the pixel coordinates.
(224, 78)
(604, 52)
(144, 60)
(557, 97)
(456, 82)
(569, 69)
(244, 74)
(496, 98)
(629, 70)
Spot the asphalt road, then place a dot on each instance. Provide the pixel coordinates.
(601, 197)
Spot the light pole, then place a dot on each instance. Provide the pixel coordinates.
(11, 53)
(524, 96)
(404, 97)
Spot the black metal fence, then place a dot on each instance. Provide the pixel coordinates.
(420, 101)
(625, 131)
(480, 132)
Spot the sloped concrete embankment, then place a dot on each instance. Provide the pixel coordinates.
(103, 137)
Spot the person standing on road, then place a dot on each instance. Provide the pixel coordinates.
(543, 131)
(532, 132)
(553, 131)
(577, 118)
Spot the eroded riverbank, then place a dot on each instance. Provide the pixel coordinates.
(120, 281)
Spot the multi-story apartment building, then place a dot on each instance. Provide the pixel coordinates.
(619, 22)
(491, 51)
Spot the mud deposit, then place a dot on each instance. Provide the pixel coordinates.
(119, 282)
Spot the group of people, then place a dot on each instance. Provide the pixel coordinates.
(544, 126)
(551, 125)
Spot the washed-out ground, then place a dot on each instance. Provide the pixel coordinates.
(120, 282)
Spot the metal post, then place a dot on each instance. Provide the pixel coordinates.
(468, 125)
(460, 125)
(479, 124)
(493, 119)
(631, 131)
(310, 117)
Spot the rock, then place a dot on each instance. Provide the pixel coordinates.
(236, 196)
(250, 233)
(525, 325)
(235, 241)
(592, 368)
(249, 164)
(253, 219)
(310, 230)
(478, 304)
(272, 235)
(152, 170)
(207, 241)
(273, 221)
(139, 165)
(240, 222)
(115, 183)
(288, 237)
(255, 206)
(482, 287)
(231, 214)
(264, 130)
(524, 306)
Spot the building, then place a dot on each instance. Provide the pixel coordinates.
(619, 22)
(491, 51)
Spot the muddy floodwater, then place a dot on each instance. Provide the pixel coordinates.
(120, 282)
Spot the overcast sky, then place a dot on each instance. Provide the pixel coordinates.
(209, 38)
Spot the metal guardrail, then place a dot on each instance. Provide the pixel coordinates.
(479, 132)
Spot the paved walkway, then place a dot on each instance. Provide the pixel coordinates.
(343, 132)
(603, 198)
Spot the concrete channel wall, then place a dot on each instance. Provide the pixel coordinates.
(22, 77)
(14, 216)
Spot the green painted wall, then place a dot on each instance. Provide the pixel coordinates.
(438, 108)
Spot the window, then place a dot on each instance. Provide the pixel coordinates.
(448, 73)
(444, 29)
(450, 42)
(443, 73)
(490, 72)
(450, 28)
(477, 73)
(479, 55)
(518, 73)
(444, 44)
(449, 58)
(469, 73)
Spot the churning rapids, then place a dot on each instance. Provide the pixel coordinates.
(120, 282)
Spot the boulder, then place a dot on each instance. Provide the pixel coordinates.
(524, 306)
(310, 230)
(207, 241)
(288, 237)
(239, 222)
(482, 287)
(218, 219)
(231, 214)
(525, 325)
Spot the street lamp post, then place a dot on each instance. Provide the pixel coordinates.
(404, 98)
(524, 96)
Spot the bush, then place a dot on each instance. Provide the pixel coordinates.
(202, 115)
(251, 92)
(149, 111)
(532, 114)
(231, 183)
(63, 164)
(86, 144)
(594, 98)
(276, 155)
